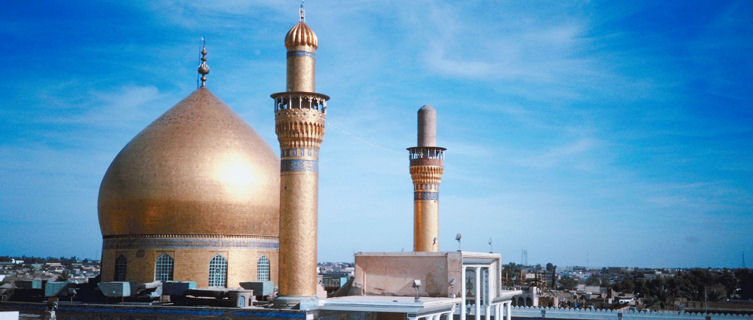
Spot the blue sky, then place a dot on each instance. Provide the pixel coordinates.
(599, 133)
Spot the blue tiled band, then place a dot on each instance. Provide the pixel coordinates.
(189, 243)
(426, 196)
(301, 53)
(295, 165)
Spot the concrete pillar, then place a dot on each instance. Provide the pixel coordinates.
(462, 293)
(478, 293)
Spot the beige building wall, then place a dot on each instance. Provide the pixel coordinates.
(189, 264)
(392, 274)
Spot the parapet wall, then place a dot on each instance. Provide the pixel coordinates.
(144, 312)
(588, 314)
(392, 273)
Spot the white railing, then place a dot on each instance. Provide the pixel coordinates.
(588, 314)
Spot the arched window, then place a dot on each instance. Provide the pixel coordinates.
(262, 269)
(163, 270)
(120, 268)
(218, 271)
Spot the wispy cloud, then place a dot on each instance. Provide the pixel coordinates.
(120, 108)
(534, 50)
(695, 197)
(574, 116)
(555, 156)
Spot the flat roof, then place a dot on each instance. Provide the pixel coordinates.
(424, 305)
(465, 254)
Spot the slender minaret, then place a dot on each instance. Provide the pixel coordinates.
(299, 119)
(426, 167)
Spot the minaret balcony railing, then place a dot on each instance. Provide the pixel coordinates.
(426, 153)
(300, 100)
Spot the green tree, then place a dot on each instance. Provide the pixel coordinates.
(729, 282)
(626, 285)
(593, 281)
(745, 278)
(568, 283)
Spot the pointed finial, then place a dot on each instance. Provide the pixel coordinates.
(203, 67)
(303, 13)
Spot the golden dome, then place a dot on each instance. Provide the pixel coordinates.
(198, 169)
(301, 35)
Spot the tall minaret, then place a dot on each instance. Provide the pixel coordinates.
(426, 167)
(299, 119)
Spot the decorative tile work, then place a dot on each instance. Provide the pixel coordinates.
(188, 243)
(296, 165)
(426, 196)
(299, 152)
(301, 53)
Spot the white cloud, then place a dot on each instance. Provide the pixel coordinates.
(560, 154)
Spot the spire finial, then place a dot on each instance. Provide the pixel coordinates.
(203, 67)
(302, 12)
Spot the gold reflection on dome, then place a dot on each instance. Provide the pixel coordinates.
(234, 175)
(197, 169)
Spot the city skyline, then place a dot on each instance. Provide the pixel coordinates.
(585, 133)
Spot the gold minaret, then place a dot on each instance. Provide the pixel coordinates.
(426, 168)
(299, 124)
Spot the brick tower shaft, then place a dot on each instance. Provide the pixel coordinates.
(426, 168)
(299, 124)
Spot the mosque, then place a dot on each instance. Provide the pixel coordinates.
(198, 196)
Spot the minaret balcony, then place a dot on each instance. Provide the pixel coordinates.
(300, 100)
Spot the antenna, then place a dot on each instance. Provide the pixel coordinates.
(491, 248)
(457, 238)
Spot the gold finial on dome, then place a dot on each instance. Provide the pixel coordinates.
(303, 13)
(203, 67)
(300, 34)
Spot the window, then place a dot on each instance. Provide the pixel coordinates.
(163, 270)
(218, 271)
(262, 269)
(120, 268)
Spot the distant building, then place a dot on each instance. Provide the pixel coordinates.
(529, 297)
